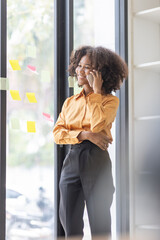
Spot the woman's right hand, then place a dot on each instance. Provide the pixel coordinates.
(99, 139)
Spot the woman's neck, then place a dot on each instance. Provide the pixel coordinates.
(87, 89)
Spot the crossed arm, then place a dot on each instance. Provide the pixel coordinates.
(102, 114)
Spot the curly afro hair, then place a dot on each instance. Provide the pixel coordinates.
(112, 67)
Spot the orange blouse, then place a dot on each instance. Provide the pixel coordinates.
(94, 112)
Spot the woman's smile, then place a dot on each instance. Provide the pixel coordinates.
(81, 77)
(83, 69)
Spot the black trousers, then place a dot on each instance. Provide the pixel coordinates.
(86, 176)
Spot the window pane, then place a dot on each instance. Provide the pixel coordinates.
(30, 148)
(94, 24)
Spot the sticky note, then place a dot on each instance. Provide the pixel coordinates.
(47, 116)
(15, 95)
(32, 68)
(71, 81)
(4, 84)
(15, 124)
(31, 51)
(76, 88)
(15, 64)
(31, 126)
(45, 76)
(31, 97)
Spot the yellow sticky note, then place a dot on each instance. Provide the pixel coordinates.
(31, 126)
(31, 97)
(15, 95)
(15, 64)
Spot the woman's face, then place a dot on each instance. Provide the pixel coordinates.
(83, 69)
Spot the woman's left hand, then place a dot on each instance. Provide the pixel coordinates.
(97, 83)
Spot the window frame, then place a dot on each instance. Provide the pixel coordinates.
(122, 137)
(63, 46)
(3, 67)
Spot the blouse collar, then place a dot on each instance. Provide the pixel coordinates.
(81, 94)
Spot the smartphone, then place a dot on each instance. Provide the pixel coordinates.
(90, 79)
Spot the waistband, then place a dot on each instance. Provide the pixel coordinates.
(85, 143)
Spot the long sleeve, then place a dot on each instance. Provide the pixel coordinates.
(103, 111)
(94, 112)
(61, 134)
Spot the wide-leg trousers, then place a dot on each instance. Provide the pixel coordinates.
(86, 176)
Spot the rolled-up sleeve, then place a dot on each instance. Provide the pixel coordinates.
(103, 111)
(61, 134)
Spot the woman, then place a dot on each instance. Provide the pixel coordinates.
(85, 123)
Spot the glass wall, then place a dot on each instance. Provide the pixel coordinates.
(30, 153)
(94, 24)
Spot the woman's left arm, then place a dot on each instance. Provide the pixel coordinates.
(103, 112)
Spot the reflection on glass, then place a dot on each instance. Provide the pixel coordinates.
(30, 155)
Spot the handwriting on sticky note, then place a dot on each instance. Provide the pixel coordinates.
(15, 65)
(31, 97)
(4, 84)
(31, 126)
(15, 95)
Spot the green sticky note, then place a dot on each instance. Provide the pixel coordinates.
(15, 123)
(76, 88)
(31, 51)
(45, 76)
(4, 84)
(71, 81)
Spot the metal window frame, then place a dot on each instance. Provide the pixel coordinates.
(122, 138)
(63, 46)
(3, 51)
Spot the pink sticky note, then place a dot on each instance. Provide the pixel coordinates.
(32, 68)
(47, 116)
